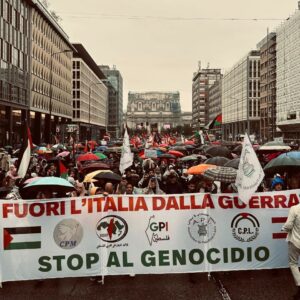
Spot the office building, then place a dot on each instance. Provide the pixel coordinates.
(90, 96)
(288, 78)
(215, 105)
(51, 74)
(15, 40)
(267, 48)
(203, 79)
(115, 105)
(240, 98)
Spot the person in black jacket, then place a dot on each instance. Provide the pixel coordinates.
(173, 185)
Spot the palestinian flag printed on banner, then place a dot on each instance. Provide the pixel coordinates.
(20, 238)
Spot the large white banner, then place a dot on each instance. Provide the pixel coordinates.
(142, 234)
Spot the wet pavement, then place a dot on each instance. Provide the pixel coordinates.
(267, 284)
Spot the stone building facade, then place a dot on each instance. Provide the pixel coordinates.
(51, 74)
(159, 110)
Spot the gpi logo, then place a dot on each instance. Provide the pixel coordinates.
(159, 226)
(157, 231)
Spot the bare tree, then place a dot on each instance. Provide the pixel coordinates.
(45, 3)
(53, 13)
(56, 17)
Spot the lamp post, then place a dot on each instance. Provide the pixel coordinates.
(50, 90)
(90, 88)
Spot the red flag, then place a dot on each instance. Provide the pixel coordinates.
(63, 171)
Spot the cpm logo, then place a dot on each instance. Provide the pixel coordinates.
(68, 234)
(157, 231)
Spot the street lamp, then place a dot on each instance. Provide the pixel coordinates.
(50, 90)
(90, 87)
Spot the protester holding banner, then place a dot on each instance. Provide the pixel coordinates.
(292, 226)
(153, 187)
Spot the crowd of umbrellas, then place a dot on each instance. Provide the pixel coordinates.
(216, 162)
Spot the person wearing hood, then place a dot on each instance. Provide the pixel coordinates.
(153, 187)
(277, 184)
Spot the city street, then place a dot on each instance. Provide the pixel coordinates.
(266, 284)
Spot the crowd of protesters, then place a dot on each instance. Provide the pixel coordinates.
(145, 176)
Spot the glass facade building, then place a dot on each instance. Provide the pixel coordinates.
(14, 68)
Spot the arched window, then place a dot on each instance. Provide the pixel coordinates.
(140, 106)
(167, 106)
(153, 106)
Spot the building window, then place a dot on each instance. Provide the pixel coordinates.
(167, 106)
(140, 106)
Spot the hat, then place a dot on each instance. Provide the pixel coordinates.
(277, 180)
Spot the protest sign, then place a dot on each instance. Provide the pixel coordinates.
(143, 234)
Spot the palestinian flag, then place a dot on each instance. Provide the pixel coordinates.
(20, 238)
(217, 121)
(63, 171)
(25, 153)
(199, 135)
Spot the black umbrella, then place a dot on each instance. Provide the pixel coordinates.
(274, 146)
(234, 163)
(218, 161)
(202, 148)
(134, 150)
(108, 176)
(94, 166)
(167, 155)
(238, 149)
(282, 163)
(189, 147)
(179, 144)
(218, 151)
(178, 148)
(223, 174)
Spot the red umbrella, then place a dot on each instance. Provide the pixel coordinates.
(189, 143)
(176, 153)
(87, 156)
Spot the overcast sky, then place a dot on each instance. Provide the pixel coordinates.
(157, 44)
